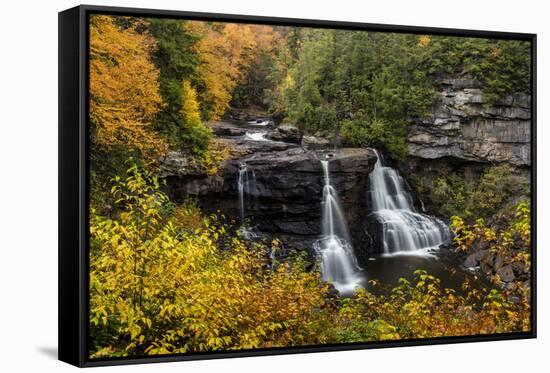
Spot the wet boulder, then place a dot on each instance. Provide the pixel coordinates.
(472, 260)
(506, 273)
(227, 129)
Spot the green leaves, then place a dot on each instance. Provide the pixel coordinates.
(368, 84)
(160, 284)
(358, 80)
(377, 133)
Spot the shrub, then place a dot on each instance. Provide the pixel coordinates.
(511, 241)
(158, 287)
(422, 309)
(165, 280)
(472, 199)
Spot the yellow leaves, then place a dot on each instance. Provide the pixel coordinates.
(107, 351)
(495, 52)
(424, 310)
(190, 109)
(225, 49)
(159, 348)
(289, 82)
(215, 343)
(424, 41)
(167, 310)
(170, 288)
(218, 152)
(160, 283)
(522, 224)
(124, 94)
(135, 331)
(466, 235)
(98, 314)
(489, 235)
(510, 243)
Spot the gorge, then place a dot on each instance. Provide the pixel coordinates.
(275, 177)
(258, 186)
(278, 188)
(463, 138)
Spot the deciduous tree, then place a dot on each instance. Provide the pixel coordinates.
(124, 92)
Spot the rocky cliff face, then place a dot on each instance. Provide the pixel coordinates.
(464, 126)
(289, 187)
(285, 195)
(464, 136)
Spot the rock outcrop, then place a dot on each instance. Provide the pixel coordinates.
(287, 133)
(315, 142)
(289, 188)
(465, 126)
(498, 264)
(464, 136)
(286, 195)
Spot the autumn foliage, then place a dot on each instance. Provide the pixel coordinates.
(224, 50)
(124, 93)
(164, 279)
(158, 286)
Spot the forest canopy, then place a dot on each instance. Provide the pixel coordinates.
(155, 83)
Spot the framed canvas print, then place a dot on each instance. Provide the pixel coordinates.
(237, 186)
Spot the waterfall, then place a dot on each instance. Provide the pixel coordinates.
(338, 262)
(404, 230)
(246, 186)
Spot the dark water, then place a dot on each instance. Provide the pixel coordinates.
(388, 269)
(411, 238)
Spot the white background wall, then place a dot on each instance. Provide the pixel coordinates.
(28, 156)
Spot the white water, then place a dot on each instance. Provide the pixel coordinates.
(256, 136)
(338, 263)
(260, 123)
(404, 230)
(246, 186)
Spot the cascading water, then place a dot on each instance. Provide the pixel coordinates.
(257, 136)
(404, 230)
(259, 122)
(246, 187)
(338, 262)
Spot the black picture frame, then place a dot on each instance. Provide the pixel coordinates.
(74, 184)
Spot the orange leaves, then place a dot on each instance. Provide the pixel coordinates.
(124, 94)
(226, 51)
(125, 84)
(223, 50)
